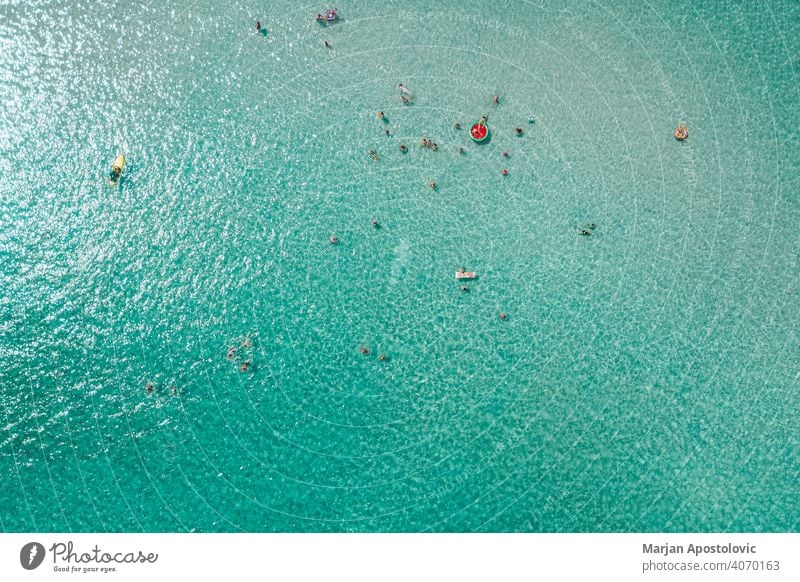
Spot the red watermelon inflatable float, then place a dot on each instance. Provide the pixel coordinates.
(479, 132)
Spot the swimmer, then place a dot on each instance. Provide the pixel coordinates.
(374, 155)
(591, 226)
(504, 172)
(374, 223)
(364, 350)
(462, 270)
(531, 119)
(482, 119)
(403, 148)
(464, 288)
(503, 316)
(386, 131)
(460, 150)
(380, 115)
(425, 142)
(258, 25)
(173, 390)
(505, 154)
(246, 343)
(433, 185)
(584, 232)
(231, 352)
(333, 240)
(457, 125)
(327, 44)
(405, 99)
(382, 357)
(518, 130)
(149, 388)
(434, 147)
(496, 100)
(244, 366)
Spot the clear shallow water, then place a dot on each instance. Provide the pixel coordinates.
(646, 379)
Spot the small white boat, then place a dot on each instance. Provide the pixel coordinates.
(466, 275)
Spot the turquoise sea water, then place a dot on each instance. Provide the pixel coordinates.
(647, 377)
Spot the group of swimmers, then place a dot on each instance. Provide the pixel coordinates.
(426, 143)
(245, 345)
(405, 95)
(432, 145)
(149, 387)
(365, 350)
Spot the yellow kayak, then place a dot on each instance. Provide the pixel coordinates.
(119, 164)
(116, 170)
